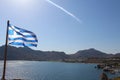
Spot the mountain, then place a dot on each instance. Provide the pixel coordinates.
(26, 53)
(117, 55)
(90, 53)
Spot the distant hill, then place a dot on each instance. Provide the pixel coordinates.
(25, 53)
(89, 53)
(116, 55)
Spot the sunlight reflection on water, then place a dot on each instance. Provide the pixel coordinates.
(36, 70)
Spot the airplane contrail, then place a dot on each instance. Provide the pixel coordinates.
(64, 10)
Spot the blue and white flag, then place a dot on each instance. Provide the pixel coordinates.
(21, 37)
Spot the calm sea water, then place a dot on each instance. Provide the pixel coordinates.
(36, 70)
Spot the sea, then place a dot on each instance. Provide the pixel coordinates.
(45, 70)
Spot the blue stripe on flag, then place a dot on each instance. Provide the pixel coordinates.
(35, 45)
(17, 43)
(22, 44)
(23, 30)
(23, 39)
(18, 33)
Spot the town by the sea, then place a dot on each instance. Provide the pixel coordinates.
(44, 70)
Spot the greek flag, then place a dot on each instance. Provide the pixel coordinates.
(21, 37)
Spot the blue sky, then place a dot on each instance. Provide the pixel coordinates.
(98, 25)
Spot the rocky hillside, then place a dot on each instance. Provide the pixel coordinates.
(25, 53)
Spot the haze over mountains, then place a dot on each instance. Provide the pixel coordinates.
(25, 53)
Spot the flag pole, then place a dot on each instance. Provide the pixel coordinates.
(5, 52)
